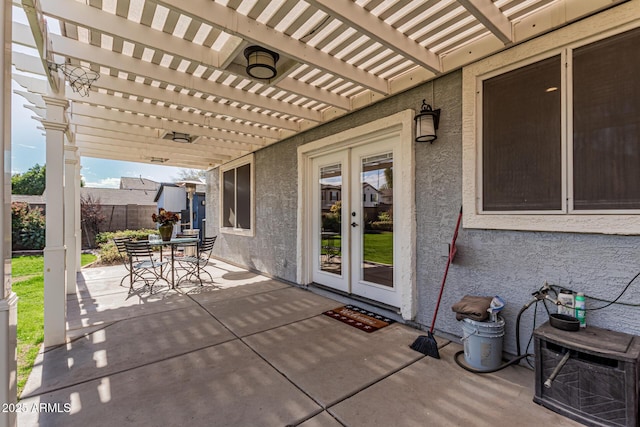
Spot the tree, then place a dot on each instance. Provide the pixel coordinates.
(388, 175)
(192, 175)
(91, 217)
(32, 182)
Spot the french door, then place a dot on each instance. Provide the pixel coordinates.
(352, 221)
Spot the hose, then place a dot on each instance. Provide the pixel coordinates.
(487, 371)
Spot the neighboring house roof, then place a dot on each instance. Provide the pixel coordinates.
(129, 183)
(367, 185)
(116, 196)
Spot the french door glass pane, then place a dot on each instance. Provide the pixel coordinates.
(376, 181)
(331, 219)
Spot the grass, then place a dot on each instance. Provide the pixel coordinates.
(378, 247)
(28, 284)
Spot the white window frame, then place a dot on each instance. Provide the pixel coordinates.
(567, 219)
(246, 160)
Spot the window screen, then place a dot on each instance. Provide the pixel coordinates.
(228, 203)
(243, 192)
(521, 139)
(236, 197)
(606, 123)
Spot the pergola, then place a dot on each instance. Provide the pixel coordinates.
(174, 86)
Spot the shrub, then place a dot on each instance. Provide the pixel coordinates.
(108, 252)
(332, 221)
(27, 227)
(384, 216)
(382, 225)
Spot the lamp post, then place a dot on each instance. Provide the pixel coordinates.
(190, 187)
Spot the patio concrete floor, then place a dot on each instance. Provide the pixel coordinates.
(247, 350)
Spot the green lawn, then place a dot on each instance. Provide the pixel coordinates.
(28, 284)
(378, 247)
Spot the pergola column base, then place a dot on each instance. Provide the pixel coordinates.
(8, 368)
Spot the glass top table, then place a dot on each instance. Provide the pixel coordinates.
(173, 243)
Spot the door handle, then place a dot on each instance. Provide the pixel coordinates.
(354, 224)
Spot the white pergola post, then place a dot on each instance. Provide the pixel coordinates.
(55, 251)
(70, 169)
(77, 217)
(8, 299)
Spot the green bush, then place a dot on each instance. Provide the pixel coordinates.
(108, 251)
(382, 225)
(107, 236)
(27, 227)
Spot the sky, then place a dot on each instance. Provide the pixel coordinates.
(28, 146)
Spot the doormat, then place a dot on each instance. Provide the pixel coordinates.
(360, 318)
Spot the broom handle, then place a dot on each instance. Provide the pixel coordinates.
(444, 278)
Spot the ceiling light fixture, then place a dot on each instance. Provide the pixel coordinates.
(181, 137)
(261, 62)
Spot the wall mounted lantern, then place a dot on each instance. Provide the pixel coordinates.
(427, 123)
(261, 62)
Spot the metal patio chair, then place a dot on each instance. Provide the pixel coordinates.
(122, 253)
(194, 265)
(142, 266)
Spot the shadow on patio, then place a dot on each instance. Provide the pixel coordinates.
(251, 351)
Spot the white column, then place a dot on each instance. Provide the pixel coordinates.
(55, 252)
(8, 299)
(70, 163)
(78, 224)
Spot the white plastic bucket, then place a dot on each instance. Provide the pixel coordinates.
(483, 343)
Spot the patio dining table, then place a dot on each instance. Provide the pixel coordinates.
(173, 243)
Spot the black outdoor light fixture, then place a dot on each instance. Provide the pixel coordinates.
(181, 137)
(427, 123)
(261, 62)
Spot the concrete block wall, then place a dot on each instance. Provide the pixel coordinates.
(511, 264)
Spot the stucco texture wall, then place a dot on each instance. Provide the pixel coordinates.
(510, 264)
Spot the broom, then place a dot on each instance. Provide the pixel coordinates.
(426, 344)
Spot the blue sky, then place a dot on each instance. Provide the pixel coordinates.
(28, 148)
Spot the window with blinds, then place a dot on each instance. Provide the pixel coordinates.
(522, 132)
(237, 196)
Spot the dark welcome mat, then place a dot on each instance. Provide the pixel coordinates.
(360, 318)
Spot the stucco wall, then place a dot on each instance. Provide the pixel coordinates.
(507, 263)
